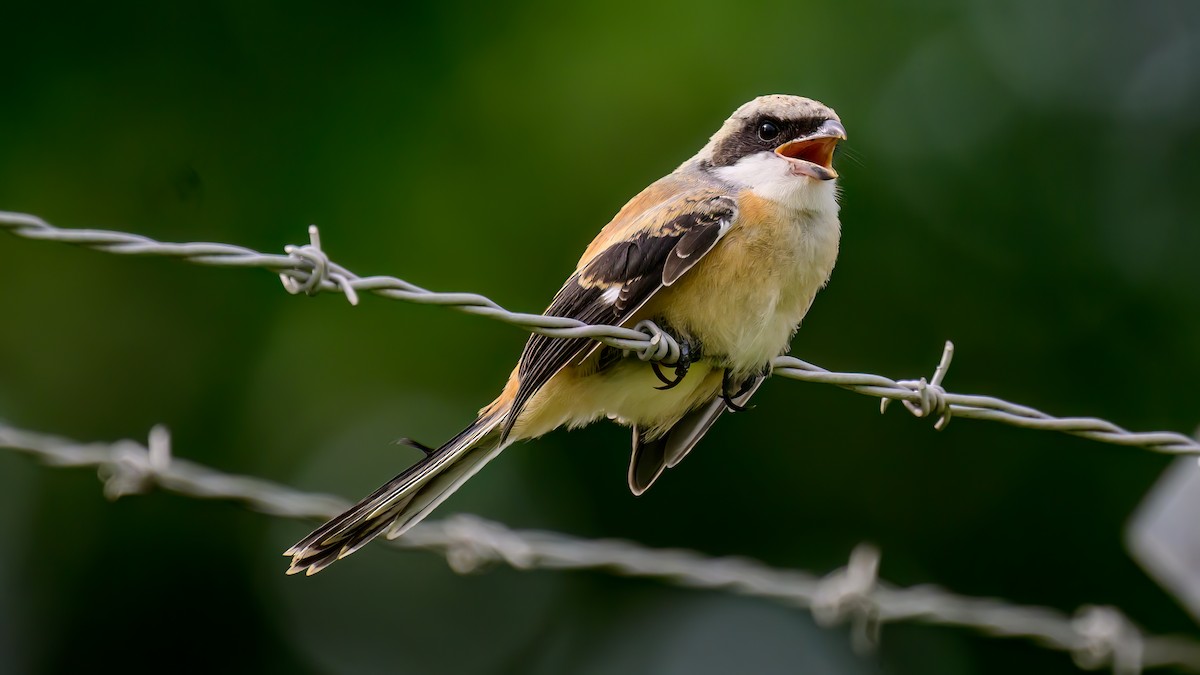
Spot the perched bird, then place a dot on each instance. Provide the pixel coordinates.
(725, 253)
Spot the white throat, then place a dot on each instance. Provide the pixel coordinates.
(770, 176)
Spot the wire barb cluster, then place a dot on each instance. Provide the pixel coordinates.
(1096, 637)
(849, 593)
(925, 399)
(308, 269)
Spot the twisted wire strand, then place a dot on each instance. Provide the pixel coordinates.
(307, 269)
(925, 399)
(1095, 637)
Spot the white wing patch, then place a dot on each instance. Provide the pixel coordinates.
(611, 295)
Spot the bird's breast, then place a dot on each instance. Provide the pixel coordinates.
(745, 300)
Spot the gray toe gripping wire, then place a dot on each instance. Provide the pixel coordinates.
(307, 269)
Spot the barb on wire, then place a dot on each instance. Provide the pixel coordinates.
(924, 399)
(307, 269)
(1096, 637)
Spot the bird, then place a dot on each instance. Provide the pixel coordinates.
(725, 254)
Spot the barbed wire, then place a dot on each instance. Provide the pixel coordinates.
(307, 269)
(1096, 636)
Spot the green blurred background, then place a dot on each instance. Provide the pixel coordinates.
(1020, 178)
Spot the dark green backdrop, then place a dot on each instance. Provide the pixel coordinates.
(1020, 178)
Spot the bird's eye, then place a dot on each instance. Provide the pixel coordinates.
(768, 130)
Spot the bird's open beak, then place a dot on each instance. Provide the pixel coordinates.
(812, 155)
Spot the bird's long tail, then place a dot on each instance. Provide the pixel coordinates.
(404, 500)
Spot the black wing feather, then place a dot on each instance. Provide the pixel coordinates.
(641, 266)
(693, 242)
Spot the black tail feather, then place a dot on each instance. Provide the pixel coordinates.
(399, 503)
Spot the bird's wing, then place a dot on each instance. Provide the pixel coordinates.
(651, 457)
(645, 248)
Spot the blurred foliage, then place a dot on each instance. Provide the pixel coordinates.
(1020, 178)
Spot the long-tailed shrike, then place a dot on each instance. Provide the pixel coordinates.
(726, 253)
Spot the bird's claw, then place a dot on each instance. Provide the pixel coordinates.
(745, 386)
(688, 354)
(667, 383)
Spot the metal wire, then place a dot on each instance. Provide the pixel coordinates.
(307, 269)
(1096, 637)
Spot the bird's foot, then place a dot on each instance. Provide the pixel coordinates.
(727, 384)
(689, 353)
